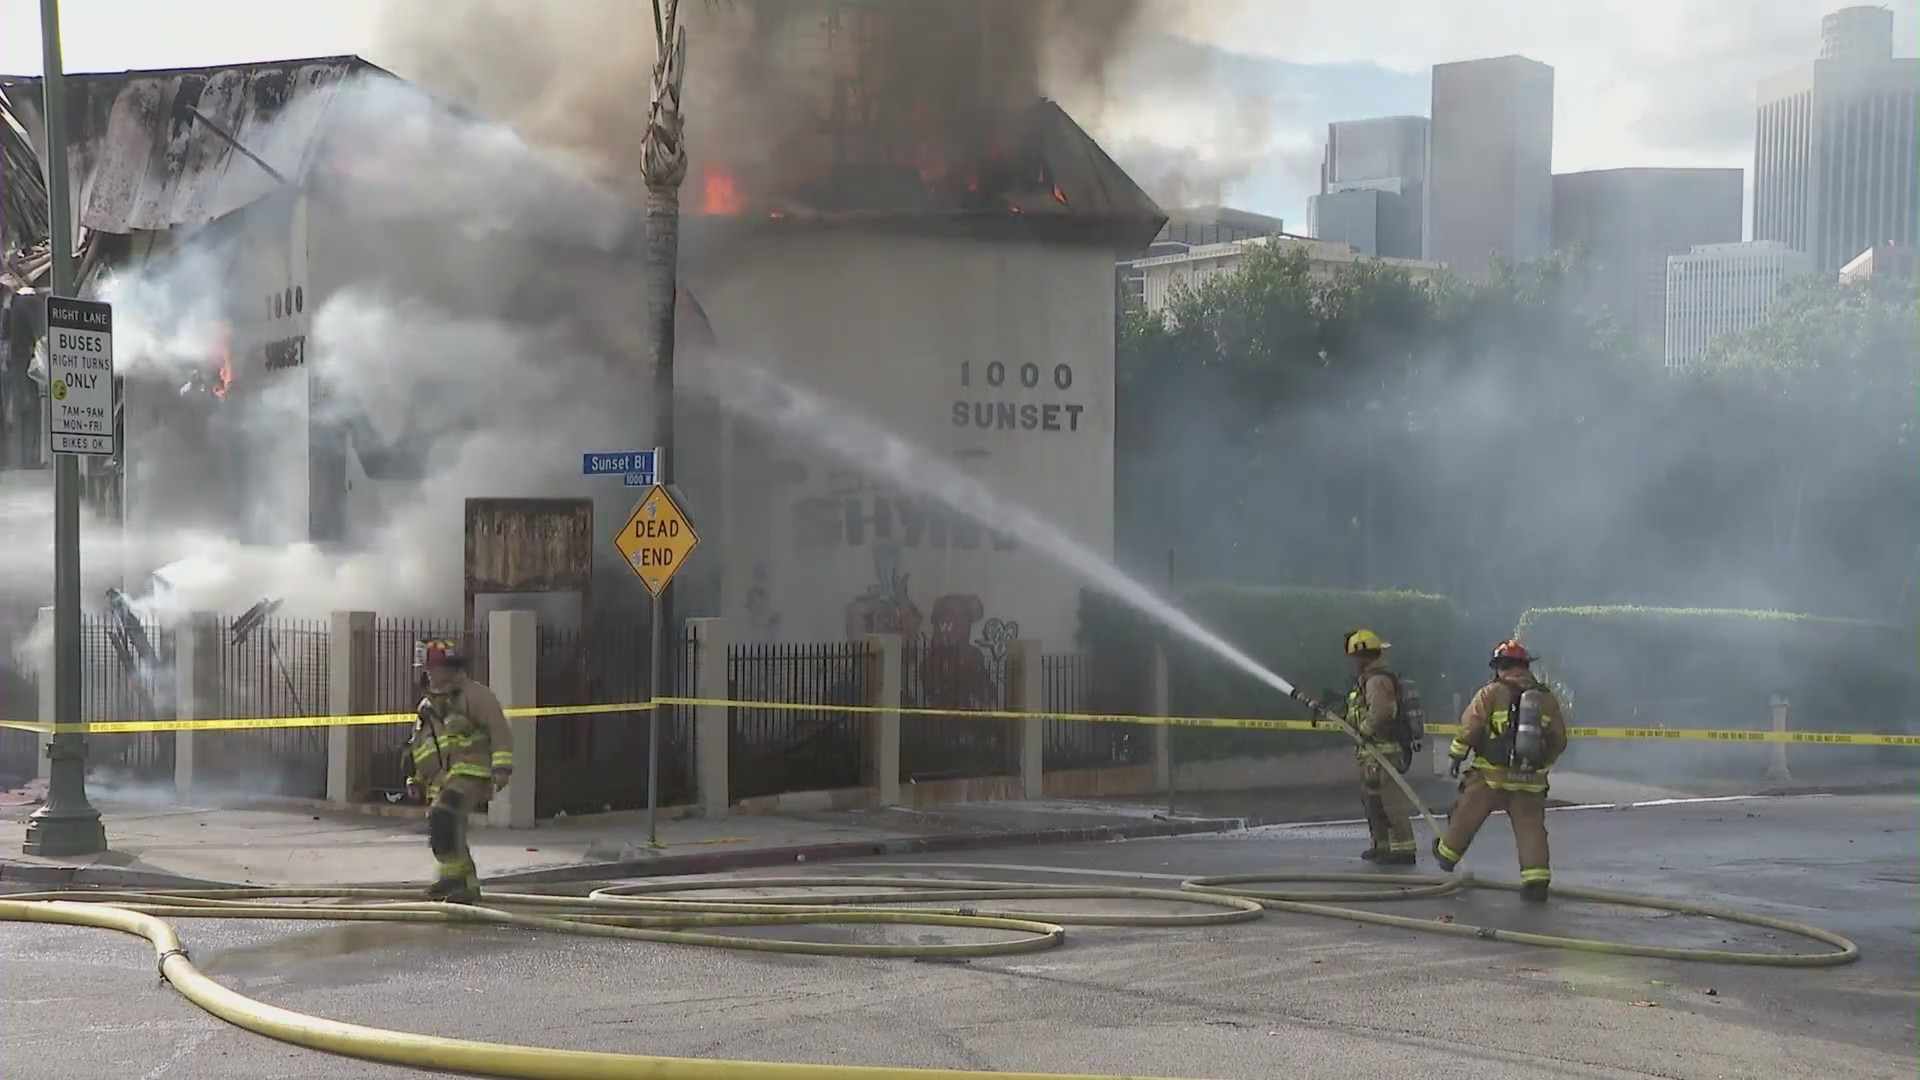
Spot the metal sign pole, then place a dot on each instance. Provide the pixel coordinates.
(68, 824)
(653, 726)
(657, 684)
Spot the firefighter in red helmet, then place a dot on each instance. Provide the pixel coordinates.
(1511, 733)
(462, 753)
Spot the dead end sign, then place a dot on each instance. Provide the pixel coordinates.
(657, 539)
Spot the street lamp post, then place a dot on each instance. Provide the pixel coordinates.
(67, 824)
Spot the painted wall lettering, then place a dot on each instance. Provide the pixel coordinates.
(286, 353)
(998, 415)
(858, 520)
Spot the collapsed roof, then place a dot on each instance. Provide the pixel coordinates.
(140, 159)
(163, 149)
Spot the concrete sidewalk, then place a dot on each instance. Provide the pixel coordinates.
(166, 845)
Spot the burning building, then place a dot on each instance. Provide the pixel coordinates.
(943, 267)
(966, 304)
(251, 196)
(927, 241)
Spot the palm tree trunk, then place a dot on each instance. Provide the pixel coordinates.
(663, 258)
(663, 165)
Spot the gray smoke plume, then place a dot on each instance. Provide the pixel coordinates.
(801, 78)
(456, 276)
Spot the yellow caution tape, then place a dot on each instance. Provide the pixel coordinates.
(119, 727)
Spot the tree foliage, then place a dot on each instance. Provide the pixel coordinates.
(1507, 445)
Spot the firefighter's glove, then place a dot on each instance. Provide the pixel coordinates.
(1453, 770)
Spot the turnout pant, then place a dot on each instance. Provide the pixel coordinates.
(1389, 815)
(447, 828)
(1526, 811)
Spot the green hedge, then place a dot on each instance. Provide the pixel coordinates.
(1718, 667)
(1297, 632)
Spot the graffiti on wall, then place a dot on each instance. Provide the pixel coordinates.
(885, 607)
(955, 660)
(853, 510)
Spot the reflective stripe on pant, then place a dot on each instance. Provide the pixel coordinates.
(1389, 815)
(1526, 811)
(447, 829)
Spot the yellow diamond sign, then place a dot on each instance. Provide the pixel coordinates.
(657, 539)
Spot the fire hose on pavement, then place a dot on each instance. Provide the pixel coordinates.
(644, 911)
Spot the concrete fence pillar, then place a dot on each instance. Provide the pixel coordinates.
(1029, 694)
(196, 688)
(350, 692)
(44, 690)
(884, 651)
(712, 724)
(1777, 767)
(513, 667)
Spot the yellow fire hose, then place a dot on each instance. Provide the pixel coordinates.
(644, 911)
(641, 911)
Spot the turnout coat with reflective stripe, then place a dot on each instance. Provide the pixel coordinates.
(460, 733)
(1483, 727)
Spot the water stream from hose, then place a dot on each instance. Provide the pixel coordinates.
(760, 395)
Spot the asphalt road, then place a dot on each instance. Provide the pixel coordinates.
(1289, 996)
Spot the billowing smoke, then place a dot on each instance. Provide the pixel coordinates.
(764, 72)
(800, 83)
(455, 270)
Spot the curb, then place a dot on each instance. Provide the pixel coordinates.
(98, 877)
(716, 862)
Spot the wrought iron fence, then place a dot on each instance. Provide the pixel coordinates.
(597, 763)
(126, 673)
(266, 668)
(942, 675)
(771, 751)
(1067, 681)
(396, 689)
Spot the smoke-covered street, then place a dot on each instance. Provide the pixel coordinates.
(1289, 995)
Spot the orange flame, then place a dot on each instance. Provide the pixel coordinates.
(226, 362)
(720, 195)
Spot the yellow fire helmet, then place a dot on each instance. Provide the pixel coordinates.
(1359, 641)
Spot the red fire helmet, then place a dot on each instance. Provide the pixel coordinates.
(1510, 651)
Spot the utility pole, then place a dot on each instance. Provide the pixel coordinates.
(67, 824)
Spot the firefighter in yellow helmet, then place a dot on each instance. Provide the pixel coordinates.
(1373, 710)
(1510, 735)
(462, 752)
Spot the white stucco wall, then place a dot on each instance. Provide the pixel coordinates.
(238, 465)
(938, 341)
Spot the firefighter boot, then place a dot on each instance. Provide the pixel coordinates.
(456, 887)
(1534, 890)
(1394, 858)
(1440, 856)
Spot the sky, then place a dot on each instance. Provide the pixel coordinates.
(1637, 82)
